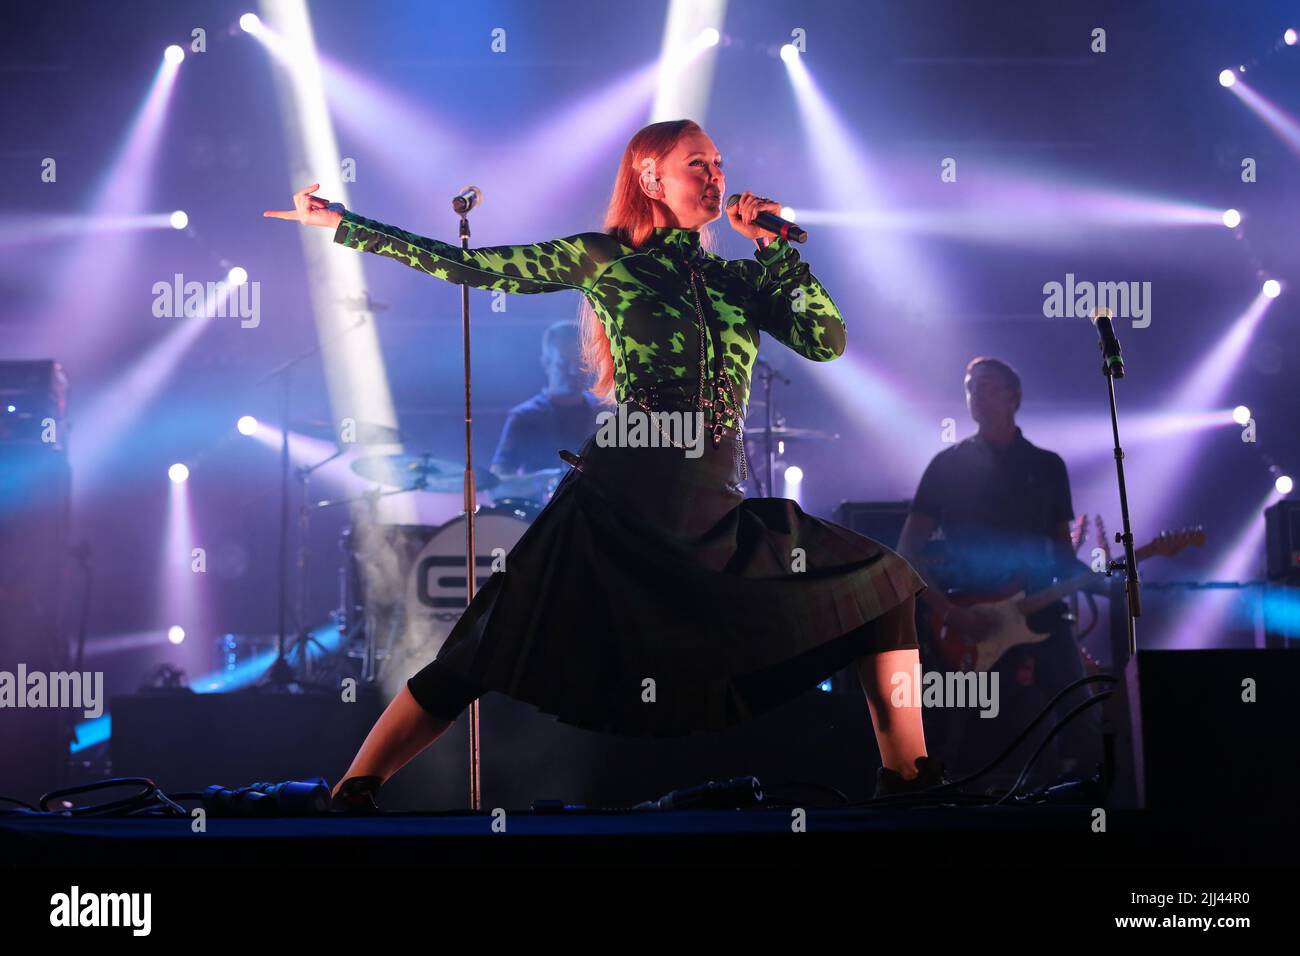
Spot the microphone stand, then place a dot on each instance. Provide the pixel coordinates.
(280, 674)
(475, 764)
(1115, 712)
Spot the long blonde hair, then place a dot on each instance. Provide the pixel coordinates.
(630, 220)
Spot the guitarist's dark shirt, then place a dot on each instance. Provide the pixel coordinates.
(997, 510)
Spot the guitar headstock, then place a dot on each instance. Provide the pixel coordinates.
(1103, 541)
(1169, 543)
(1079, 533)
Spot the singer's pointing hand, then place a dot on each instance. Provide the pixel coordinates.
(308, 209)
(742, 214)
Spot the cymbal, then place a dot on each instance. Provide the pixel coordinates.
(367, 433)
(420, 473)
(785, 433)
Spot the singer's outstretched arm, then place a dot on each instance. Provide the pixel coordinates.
(574, 262)
(791, 306)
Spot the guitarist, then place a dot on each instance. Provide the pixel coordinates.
(1002, 507)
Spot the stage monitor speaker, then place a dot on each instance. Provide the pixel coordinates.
(35, 584)
(880, 520)
(187, 741)
(1212, 728)
(1282, 541)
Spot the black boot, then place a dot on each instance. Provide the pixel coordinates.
(357, 795)
(930, 774)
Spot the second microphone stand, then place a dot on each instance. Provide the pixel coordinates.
(1115, 713)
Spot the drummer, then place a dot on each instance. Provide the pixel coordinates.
(561, 415)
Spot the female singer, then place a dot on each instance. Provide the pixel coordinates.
(650, 596)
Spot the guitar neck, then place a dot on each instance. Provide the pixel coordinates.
(1041, 599)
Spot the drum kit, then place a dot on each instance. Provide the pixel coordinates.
(402, 586)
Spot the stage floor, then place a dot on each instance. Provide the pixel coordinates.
(988, 836)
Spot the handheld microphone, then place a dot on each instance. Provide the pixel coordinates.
(469, 198)
(773, 223)
(1113, 364)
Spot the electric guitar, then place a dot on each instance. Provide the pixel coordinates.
(1011, 606)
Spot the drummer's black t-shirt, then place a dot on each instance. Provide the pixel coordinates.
(537, 429)
(997, 510)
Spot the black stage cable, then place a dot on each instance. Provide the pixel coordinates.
(149, 797)
(1024, 772)
(1006, 752)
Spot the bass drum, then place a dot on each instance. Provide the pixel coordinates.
(411, 618)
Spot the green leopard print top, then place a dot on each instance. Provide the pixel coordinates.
(643, 297)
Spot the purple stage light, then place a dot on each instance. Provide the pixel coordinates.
(1283, 124)
(93, 271)
(1201, 623)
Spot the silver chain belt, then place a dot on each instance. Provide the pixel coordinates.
(724, 400)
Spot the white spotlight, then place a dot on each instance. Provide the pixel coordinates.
(178, 473)
(173, 54)
(247, 425)
(1289, 36)
(787, 214)
(789, 53)
(1284, 484)
(709, 36)
(180, 219)
(1241, 414)
(1227, 78)
(1272, 288)
(793, 475)
(237, 275)
(1231, 218)
(249, 22)
(175, 633)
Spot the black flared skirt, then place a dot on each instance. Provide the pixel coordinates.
(650, 597)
